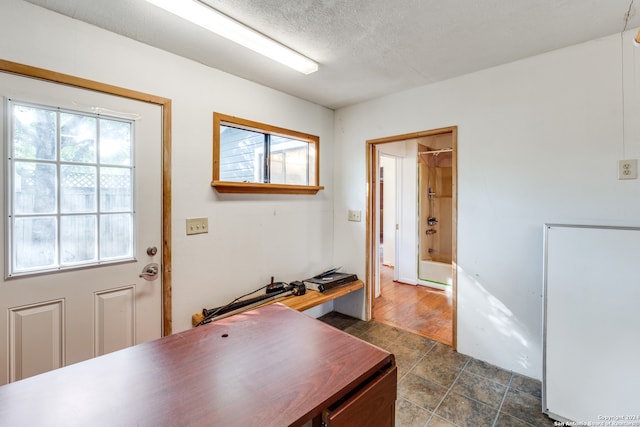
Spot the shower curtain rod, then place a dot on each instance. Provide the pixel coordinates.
(444, 150)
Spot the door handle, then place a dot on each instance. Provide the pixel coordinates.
(150, 271)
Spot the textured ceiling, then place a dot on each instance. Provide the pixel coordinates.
(366, 48)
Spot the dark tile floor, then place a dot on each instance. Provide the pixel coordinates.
(440, 387)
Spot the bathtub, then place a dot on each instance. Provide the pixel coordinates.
(435, 274)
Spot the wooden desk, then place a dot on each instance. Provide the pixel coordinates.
(271, 366)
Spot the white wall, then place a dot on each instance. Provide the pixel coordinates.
(251, 237)
(539, 141)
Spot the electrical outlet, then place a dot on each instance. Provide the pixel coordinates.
(355, 215)
(628, 169)
(197, 225)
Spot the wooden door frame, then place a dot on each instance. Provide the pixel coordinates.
(372, 215)
(165, 104)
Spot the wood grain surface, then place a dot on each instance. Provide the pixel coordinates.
(271, 366)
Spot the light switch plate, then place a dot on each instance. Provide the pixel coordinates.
(355, 216)
(628, 169)
(197, 225)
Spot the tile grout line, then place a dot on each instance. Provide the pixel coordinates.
(416, 363)
(449, 391)
(432, 413)
(506, 391)
(409, 371)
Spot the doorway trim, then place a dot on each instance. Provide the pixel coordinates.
(165, 104)
(372, 215)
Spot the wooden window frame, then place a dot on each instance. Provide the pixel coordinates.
(257, 187)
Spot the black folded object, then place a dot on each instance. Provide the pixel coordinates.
(327, 282)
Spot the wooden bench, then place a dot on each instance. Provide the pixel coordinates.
(304, 302)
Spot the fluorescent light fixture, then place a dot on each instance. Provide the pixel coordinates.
(216, 22)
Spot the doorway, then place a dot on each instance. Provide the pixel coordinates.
(399, 295)
(135, 309)
(390, 170)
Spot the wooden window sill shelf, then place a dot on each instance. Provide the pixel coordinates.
(250, 187)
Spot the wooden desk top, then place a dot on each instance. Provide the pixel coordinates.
(271, 366)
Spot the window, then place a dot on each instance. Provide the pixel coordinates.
(69, 189)
(251, 157)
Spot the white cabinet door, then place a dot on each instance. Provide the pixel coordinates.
(591, 346)
(61, 317)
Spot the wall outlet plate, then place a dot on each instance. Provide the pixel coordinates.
(628, 169)
(197, 225)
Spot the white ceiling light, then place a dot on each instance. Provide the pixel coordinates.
(216, 22)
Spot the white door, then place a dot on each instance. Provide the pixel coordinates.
(75, 250)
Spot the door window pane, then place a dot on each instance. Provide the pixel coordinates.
(34, 242)
(34, 188)
(115, 189)
(34, 133)
(115, 236)
(78, 239)
(115, 142)
(77, 138)
(77, 188)
(69, 170)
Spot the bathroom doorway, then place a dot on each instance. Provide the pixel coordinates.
(435, 213)
(417, 292)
